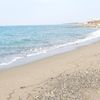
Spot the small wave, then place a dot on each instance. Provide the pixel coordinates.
(13, 60)
(91, 36)
(38, 51)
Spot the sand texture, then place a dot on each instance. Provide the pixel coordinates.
(73, 75)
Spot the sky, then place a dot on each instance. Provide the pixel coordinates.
(40, 12)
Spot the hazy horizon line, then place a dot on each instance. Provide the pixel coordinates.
(39, 24)
(47, 24)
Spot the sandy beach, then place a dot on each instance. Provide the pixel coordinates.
(74, 75)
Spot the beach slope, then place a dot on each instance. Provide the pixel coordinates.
(72, 75)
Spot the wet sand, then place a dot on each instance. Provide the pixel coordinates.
(74, 75)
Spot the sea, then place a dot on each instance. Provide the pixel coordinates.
(25, 44)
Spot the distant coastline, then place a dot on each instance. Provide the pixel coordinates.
(93, 23)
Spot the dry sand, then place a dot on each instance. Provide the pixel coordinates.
(74, 75)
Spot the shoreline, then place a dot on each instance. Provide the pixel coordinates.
(92, 38)
(19, 81)
(50, 56)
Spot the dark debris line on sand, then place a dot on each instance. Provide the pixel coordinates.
(67, 86)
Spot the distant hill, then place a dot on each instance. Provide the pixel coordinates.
(93, 23)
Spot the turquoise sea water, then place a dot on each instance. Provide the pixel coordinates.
(21, 42)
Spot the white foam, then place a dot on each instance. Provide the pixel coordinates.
(13, 60)
(91, 36)
(39, 51)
